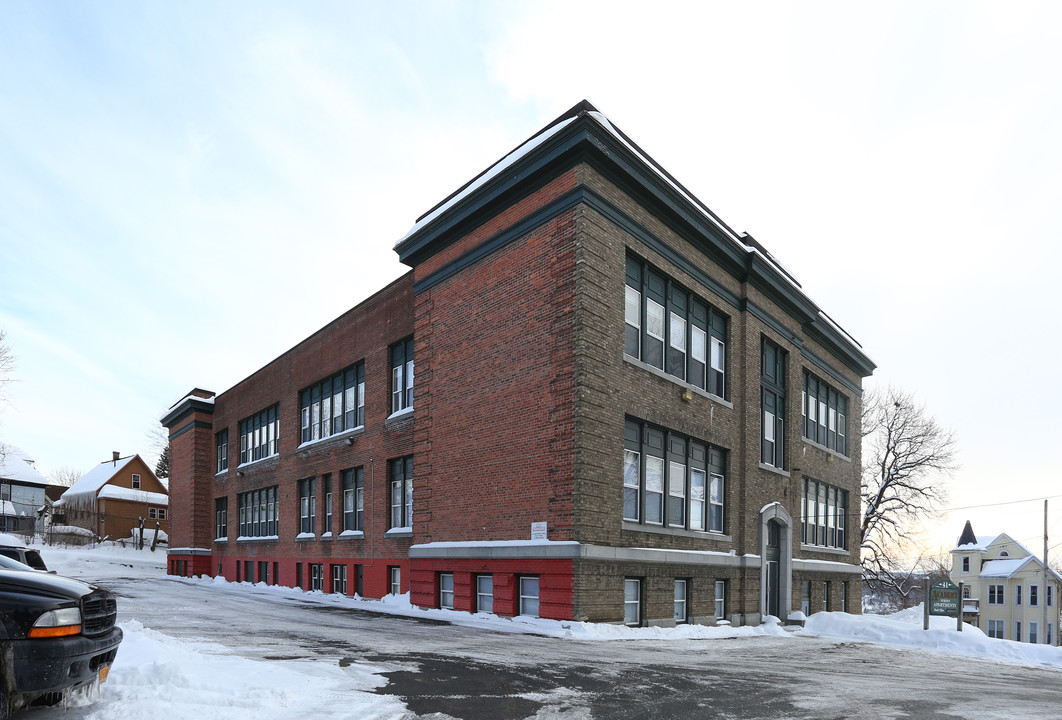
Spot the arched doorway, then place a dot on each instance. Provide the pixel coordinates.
(776, 549)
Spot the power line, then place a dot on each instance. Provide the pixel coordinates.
(997, 504)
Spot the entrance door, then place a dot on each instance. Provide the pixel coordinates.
(773, 558)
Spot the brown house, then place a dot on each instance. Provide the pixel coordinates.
(112, 498)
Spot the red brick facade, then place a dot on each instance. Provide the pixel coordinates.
(523, 392)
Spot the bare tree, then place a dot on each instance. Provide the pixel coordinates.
(7, 367)
(906, 457)
(159, 442)
(65, 476)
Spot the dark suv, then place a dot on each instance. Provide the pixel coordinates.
(56, 634)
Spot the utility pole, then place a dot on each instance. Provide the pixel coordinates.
(1047, 578)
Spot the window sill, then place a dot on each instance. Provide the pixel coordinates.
(303, 537)
(661, 530)
(221, 540)
(326, 536)
(398, 416)
(399, 532)
(825, 449)
(260, 461)
(344, 435)
(221, 475)
(824, 549)
(775, 470)
(351, 535)
(258, 538)
(681, 383)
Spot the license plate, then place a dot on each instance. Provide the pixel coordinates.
(104, 671)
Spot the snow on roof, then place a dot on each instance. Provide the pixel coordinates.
(17, 465)
(1004, 568)
(983, 541)
(7, 509)
(97, 477)
(115, 492)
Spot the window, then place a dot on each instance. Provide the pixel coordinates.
(485, 593)
(529, 596)
(339, 579)
(157, 513)
(221, 440)
(772, 402)
(394, 574)
(1034, 597)
(823, 512)
(402, 375)
(1050, 596)
(162, 513)
(1034, 632)
(221, 518)
(258, 513)
(307, 507)
(327, 482)
(333, 405)
(1050, 637)
(966, 563)
(720, 599)
(691, 473)
(1017, 594)
(995, 629)
(446, 590)
(844, 596)
(402, 492)
(316, 576)
(995, 594)
(1017, 630)
(632, 601)
(680, 601)
(966, 594)
(136, 481)
(659, 314)
(259, 435)
(353, 500)
(824, 412)
(825, 596)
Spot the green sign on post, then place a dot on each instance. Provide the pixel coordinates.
(944, 598)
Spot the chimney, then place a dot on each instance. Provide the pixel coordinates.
(114, 457)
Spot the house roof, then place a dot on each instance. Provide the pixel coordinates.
(1004, 568)
(123, 493)
(17, 465)
(97, 477)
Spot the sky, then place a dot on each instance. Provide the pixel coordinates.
(189, 189)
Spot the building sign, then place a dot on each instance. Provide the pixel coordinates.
(538, 531)
(944, 598)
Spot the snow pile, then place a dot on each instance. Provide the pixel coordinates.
(904, 629)
(156, 675)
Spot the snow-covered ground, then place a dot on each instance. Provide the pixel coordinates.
(161, 675)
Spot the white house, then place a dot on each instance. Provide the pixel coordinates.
(21, 491)
(1005, 593)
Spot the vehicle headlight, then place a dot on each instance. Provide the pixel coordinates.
(57, 623)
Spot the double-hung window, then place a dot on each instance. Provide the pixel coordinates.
(824, 511)
(258, 513)
(1017, 594)
(136, 481)
(772, 397)
(995, 595)
(671, 480)
(307, 507)
(327, 482)
(995, 629)
(222, 455)
(446, 590)
(668, 327)
(632, 601)
(681, 601)
(824, 414)
(259, 435)
(402, 492)
(1034, 596)
(333, 405)
(353, 500)
(485, 593)
(221, 518)
(402, 375)
(720, 599)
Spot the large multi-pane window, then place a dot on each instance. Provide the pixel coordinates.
(671, 329)
(258, 513)
(823, 511)
(327, 482)
(221, 518)
(402, 492)
(259, 435)
(772, 400)
(353, 500)
(307, 507)
(402, 375)
(825, 413)
(333, 405)
(222, 455)
(659, 464)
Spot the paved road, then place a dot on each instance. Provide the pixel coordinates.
(441, 671)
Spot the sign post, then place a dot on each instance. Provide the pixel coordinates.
(944, 598)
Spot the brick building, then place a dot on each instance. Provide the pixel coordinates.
(623, 411)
